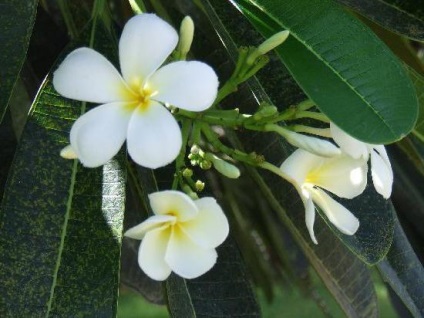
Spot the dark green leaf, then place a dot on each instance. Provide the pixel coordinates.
(404, 272)
(341, 65)
(418, 81)
(403, 17)
(60, 223)
(16, 22)
(224, 291)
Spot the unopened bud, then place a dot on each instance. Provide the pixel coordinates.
(199, 185)
(194, 150)
(227, 169)
(273, 42)
(68, 153)
(268, 45)
(187, 173)
(205, 164)
(186, 36)
(314, 145)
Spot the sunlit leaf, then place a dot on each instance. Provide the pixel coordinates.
(342, 66)
(61, 223)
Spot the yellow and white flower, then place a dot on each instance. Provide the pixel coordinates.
(381, 169)
(134, 104)
(341, 175)
(181, 236)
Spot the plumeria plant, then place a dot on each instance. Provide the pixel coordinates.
(197, 152)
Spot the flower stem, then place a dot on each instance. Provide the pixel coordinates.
(179, 162)
(323, 132)
(312, 115)
(305, 105)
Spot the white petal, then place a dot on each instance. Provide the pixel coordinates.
(382, 173)
(299, 164)
(175, 203)
(154, 137)
(154, 222)
(344, 176)
(336, 213)
(145, 44)
(88, 76)
(98, 135)
(210, 227)
(151, 255)
(309, 213)
(319, 147)
(353, 147)
(188, 85)
(186, 258)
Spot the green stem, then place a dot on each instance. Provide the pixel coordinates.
(305, 105)
(211, 136)
(228, 118)
(313, 115)
(179, 162)
(323, 132)
(67, 17)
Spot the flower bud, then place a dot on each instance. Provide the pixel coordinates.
(194, 150)
(187, 173)
(186, 36)
(272, 42)
(268, 45)
(313, 145)
(225, 168)
(199, 185)
(68, 153)
(205, 164)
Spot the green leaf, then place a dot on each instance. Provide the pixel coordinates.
(418, 81)
(224, 291)
(60, 223)
(404, 272)
(340, 64)
(16, 22)
(402, 17)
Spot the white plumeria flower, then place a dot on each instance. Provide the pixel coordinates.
(381, 169)
(133, 106)
(341, 175)
(181, 236)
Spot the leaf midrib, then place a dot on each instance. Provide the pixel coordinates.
(62, 236)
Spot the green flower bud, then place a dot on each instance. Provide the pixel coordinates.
(186, 36)
(199, 185)
(225, 168)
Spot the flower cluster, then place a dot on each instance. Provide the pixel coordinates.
(137, 106)
(182, 234)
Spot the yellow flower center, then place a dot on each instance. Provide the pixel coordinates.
(138, 95)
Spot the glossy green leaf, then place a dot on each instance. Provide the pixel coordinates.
(403, 17)
(341, 65)
(404, 272)
(60, 223)
(418, 81)
(331, 259)
(16, 22)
